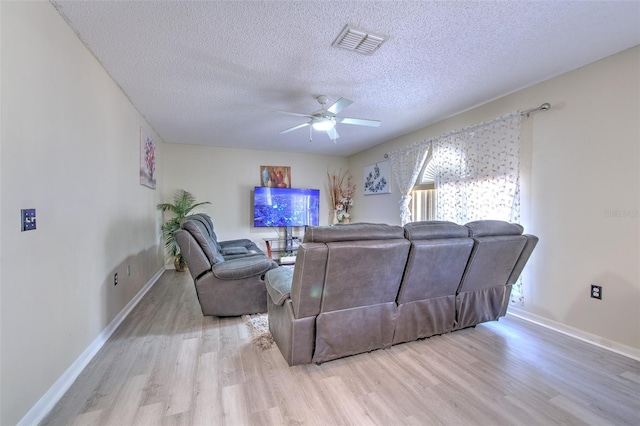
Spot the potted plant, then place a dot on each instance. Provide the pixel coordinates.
(183, 203)
(288, 257)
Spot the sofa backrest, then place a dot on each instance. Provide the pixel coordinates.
(496, 250)
(529, 245)
(206, 221)
(364, 263)
(352, 232)
(198, 248)
(437, 260)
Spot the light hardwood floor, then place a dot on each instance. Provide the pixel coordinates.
(167, 364)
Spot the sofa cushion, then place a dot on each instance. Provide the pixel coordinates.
(434, 230)
(486, 228)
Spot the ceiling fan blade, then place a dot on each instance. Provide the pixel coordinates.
(294, 128)
(296, 114)
(333, 133)
(339, 105)
(359, 121)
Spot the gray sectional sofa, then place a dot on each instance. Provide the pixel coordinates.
(360, 287)
(228, 275)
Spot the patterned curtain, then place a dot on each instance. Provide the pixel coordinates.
(477, 175)
(406, 165)
(477, 172)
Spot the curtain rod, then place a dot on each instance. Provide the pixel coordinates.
(544, 107)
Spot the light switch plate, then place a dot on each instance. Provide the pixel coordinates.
(28, 221)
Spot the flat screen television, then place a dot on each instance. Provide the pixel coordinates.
(286, 207)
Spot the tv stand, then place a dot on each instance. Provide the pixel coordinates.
(288, 238)
(279, 246)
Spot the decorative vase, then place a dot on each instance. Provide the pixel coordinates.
(346, 220)
(335, 217)
(286, 179)
(178, 266)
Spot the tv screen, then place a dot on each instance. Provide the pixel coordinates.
(285, 206)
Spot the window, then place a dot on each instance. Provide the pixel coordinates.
(423, 195)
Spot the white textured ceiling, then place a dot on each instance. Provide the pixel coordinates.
(216, 72)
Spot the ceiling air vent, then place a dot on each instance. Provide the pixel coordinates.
(358, 40)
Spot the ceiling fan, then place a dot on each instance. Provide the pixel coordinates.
(325, 119)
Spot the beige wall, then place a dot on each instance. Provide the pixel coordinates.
(227, 177)
(69, 148)
(580, 160)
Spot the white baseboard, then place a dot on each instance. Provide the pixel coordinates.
(55, 392)
(599, 341)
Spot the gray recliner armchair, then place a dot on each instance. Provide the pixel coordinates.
(228, 285)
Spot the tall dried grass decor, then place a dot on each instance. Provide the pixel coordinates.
(341, 192)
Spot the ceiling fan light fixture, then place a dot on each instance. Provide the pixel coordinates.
(325, 119)
(323, 123)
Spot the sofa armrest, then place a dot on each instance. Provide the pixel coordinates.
(278, 282)
(234, 250)
(238, 248)
(245, 267)
(244, 242)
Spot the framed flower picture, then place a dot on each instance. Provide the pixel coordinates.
(147, 160)
(377, 179)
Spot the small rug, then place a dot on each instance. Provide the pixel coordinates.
(258, 325)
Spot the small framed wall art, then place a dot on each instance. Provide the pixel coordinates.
(275, 176)
(377, 179)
